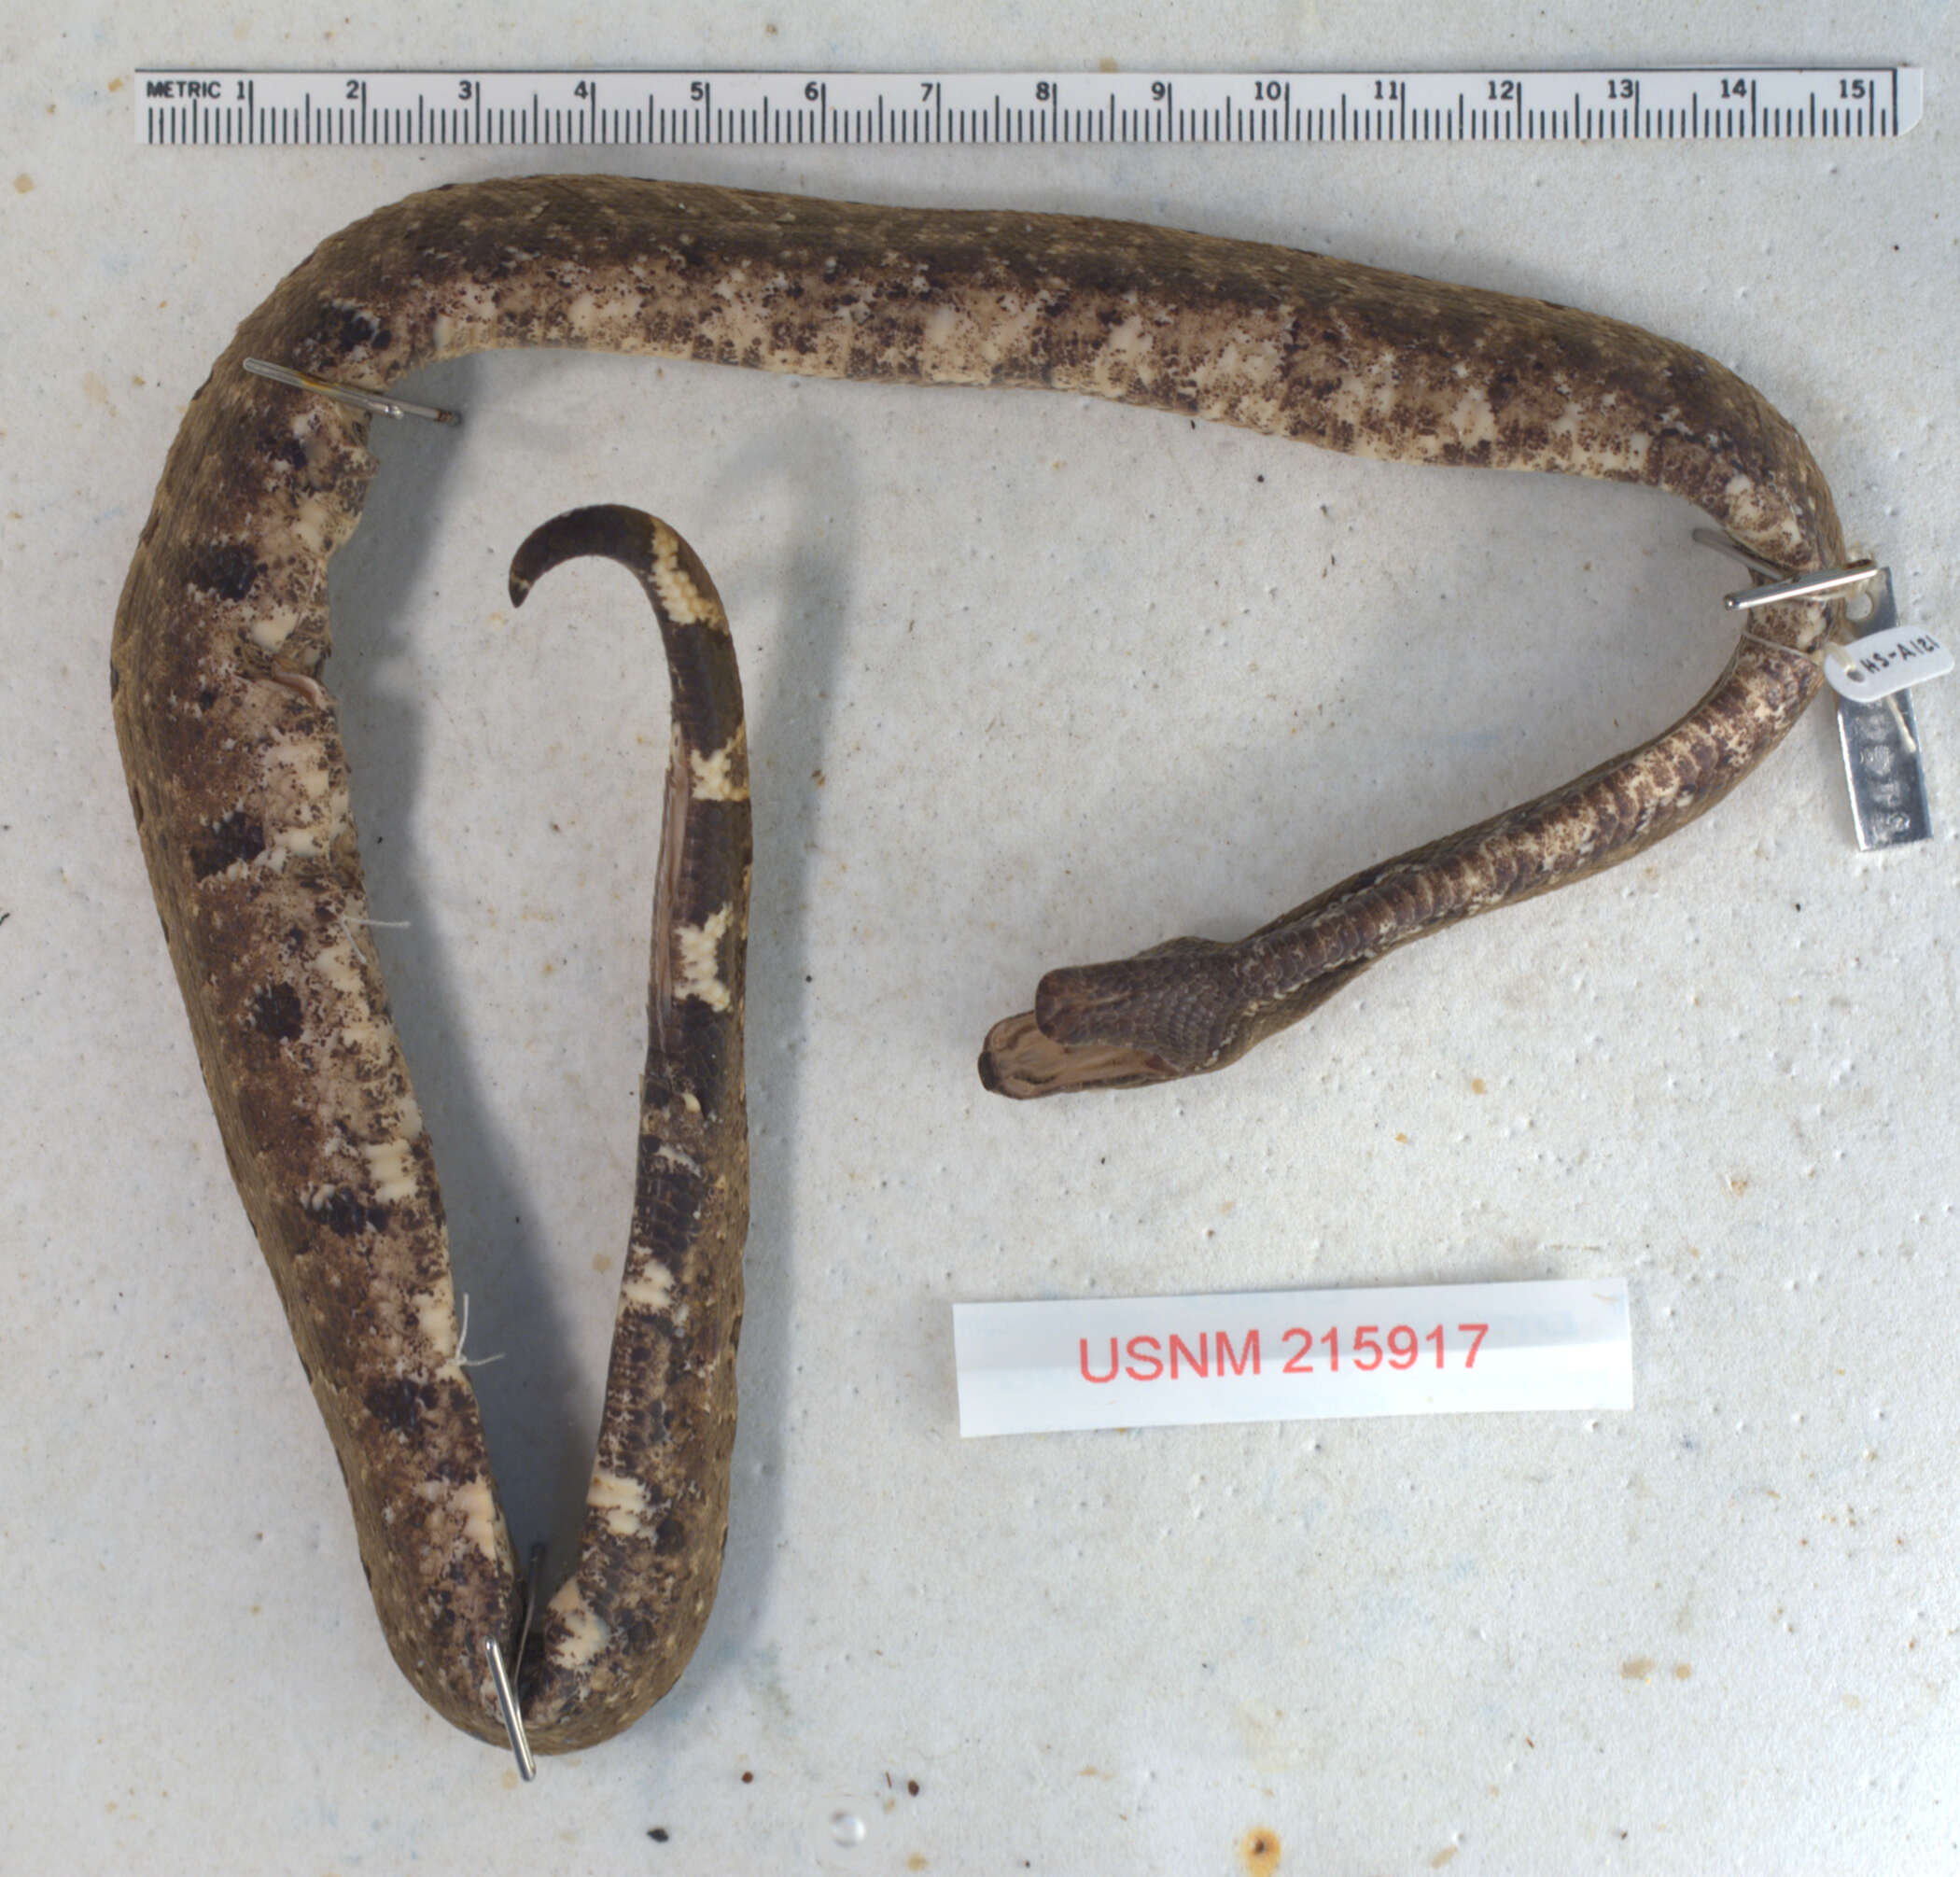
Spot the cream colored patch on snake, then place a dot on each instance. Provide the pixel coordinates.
(620, 1502)
(715, 774)
(302, 760)
(274, 625)
(473, 1505)
(1473, 421)
(650, 1289)
(435, 1316)
(468, 305)
(365, 1036)
(685, 602)
(698, 951)
(585, 1634)
(299, 789)
(334, 960)
(391, 1171)
(316, 525)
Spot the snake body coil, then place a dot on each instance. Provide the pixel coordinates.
(242, 795)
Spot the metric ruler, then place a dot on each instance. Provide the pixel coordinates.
(1742, 102)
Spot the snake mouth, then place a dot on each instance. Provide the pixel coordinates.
(1021, 1062)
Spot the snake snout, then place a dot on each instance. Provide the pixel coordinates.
(1022, 1063)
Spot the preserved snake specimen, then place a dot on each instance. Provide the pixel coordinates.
(242, 793)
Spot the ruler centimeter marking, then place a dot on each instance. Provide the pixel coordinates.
(1741, 102)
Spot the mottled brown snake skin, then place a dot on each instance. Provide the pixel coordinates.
(241, 789)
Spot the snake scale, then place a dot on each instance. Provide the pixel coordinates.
(241, 795)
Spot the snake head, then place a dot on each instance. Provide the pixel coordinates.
(1183, 1008)
(1150, 1018)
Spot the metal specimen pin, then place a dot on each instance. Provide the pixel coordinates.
(374, 402)
(507, 1708)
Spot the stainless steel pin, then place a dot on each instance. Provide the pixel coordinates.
(1715, 538)
(374, 402)
(1783, 584)
(507, 1708)
(1803, 586)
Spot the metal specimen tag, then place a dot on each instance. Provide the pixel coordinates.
(1880, 742)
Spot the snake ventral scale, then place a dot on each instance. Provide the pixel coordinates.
(1727, 104)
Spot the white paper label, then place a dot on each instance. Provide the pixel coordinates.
(1885, 662)
(1292, 1355)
